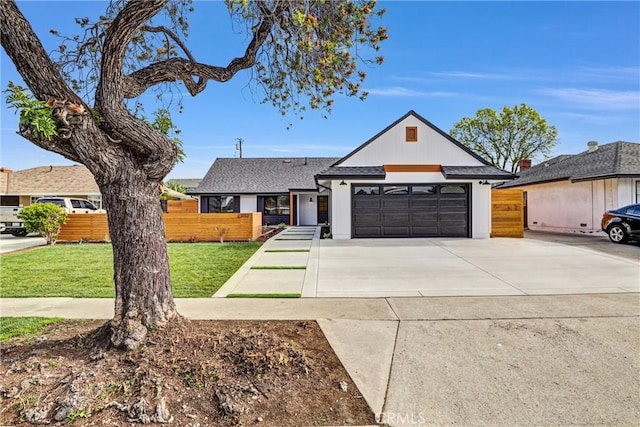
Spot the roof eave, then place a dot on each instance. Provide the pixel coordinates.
(352, 176)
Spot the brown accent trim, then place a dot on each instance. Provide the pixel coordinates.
(291, 208)
(411, 133)
(412, 168)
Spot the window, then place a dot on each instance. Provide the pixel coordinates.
(276, 205)
(220, 204)
(96, 201)
(423, 189)
(412, 134)
(362, 190)
(396, 190)
(453, 189)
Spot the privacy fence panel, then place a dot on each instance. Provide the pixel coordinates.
(507, 213)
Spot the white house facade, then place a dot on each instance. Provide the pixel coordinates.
(411, 180)
(569, 193)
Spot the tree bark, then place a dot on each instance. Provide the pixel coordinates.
(141, 265)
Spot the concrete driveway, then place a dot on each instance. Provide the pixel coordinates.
(9, 243)
(454, 267)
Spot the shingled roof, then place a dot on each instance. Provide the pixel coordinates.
(57, 180)
(266, 175)
(614, 160)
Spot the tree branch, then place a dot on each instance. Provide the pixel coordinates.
(184, 69)
(157, 155)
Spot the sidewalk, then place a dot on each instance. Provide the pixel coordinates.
(505, 360)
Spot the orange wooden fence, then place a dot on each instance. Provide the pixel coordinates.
(507, 212)
(182, 206)
(179, 227)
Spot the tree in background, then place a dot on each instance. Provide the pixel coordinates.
(301, 53)
(504, 139)
(176, 187)
(45, 219)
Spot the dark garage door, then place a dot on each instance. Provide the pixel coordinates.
(410, 210)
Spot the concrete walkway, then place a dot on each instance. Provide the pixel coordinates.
(505, 360)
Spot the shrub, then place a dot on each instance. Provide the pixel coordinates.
(45, 219)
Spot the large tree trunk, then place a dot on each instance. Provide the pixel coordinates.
(141, 266)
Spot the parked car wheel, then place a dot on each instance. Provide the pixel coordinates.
(617, 233)
(19, 233)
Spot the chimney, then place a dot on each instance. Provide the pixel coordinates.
(6, 170)
(524, 164)
(592, 146)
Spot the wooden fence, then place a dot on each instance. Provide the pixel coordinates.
(179, 227)
(507, 212)
(182, 206)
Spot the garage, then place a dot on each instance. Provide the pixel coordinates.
(410, 210)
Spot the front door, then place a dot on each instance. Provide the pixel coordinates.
(323, 209)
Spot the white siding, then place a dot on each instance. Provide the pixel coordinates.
(570, 207)
(627, 191)
(431, 148)
(249, 203)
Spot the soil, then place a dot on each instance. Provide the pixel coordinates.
(190, 373)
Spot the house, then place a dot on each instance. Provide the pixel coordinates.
(21, 188)
(410, 180)
(283, 189)
(569, 193)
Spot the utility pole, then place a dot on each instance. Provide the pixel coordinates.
(239, 145)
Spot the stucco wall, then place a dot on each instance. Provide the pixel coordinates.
(570, 207)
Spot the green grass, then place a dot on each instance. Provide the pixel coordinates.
(279, 267)
(11, 327)
(287, 250)
(264, 295)
(86, 271)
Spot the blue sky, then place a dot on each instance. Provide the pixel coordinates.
(577, 63)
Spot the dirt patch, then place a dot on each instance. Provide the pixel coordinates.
(197, 373)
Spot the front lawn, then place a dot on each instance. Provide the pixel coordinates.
(86, 271)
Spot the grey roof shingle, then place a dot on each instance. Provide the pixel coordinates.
(341, 172)
(262, 175)
(616, 159)
(188, 183)
(475, 172)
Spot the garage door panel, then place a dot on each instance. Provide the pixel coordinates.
(368, 232)
(395, 202)
(396, 231)
(444, 211)
(425, 204)
(367, 203)
(391, 218)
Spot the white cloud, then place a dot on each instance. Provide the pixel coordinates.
(603, 99)
(403, 92)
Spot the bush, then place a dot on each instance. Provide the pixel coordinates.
(45, 219)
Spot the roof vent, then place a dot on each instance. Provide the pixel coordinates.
(593, 146)
(286, 161)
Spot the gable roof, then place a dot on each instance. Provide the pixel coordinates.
(427, 123)
(616, 159)
(187, 183)
(51, 180)
(262, 175)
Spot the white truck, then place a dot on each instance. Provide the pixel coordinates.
(11, 224)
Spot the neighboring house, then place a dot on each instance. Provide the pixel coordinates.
(569, 193)
(410, 180)
(21, 188)
(283, 189)
(189, 184)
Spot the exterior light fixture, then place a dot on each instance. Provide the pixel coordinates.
(343, 183)
(484, 182)
(311, 199)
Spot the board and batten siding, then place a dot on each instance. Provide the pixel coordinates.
(431, 148)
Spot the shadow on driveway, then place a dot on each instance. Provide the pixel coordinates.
(599, 243)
